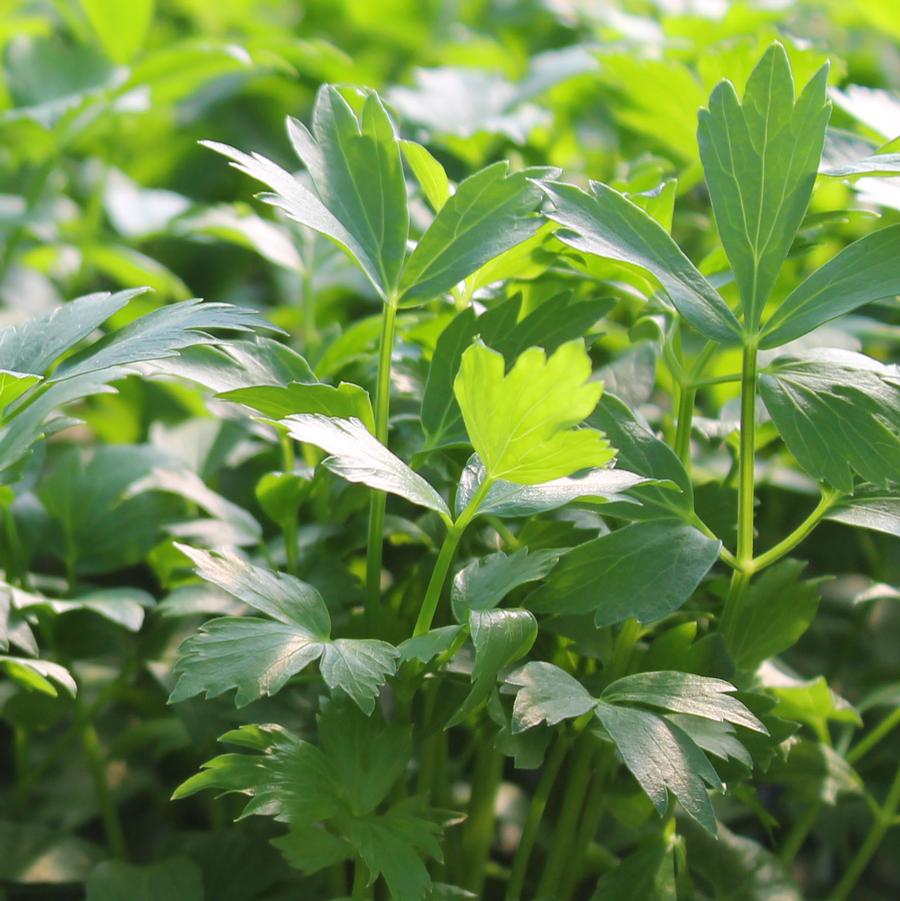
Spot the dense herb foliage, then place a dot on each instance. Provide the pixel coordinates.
(517, 516)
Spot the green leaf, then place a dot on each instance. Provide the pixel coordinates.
(14, 384)
(175, 877)
(161, 333)
(861, 273)
(522, 424)
(357, 456)
(290, 779)
(38, 675)
(280, 494)
(34, 345)
(123, 606)
(607, 224)
(509, 499)
(683, 693)
(663, 759)
(547, 694)
(346, 401)
(648, 872)
(812, 702)
(355, 166)
(713, 737)
(366, 755)
(776, 610)
(482, 584)
(640, 451)
(813, 772)
(429, 173)
(500, 637)
(738, 868)
(869, 509)
(312, 848)
(827, 399)
(425, 648)
(760, 158)
(257, 656)
(490, 212)
(392, 846)
(121, 27)
(604, 576)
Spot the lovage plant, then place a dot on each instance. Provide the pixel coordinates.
(499, 590)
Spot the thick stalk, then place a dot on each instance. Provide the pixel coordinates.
(573, 802)
(533, 819)
(746, 473)
(378, 498)
(478, 834)
(873, 839)
(445, 558)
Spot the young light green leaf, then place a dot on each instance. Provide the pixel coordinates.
(357, 456)
(522, 424)
(607, 224)
(13, 385)
(663, 759)
(482, 584)
(429, 173)
(500, 637)
(862, 272)
(683, 693)
(760, 158)
(490, 212)
(603, 576)
(827, 399)
(776, 610)
(547, 694)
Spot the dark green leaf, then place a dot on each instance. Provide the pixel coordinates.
(546, 694)
(176, 877)
(605, 223)
(776, 610)
(645, 570)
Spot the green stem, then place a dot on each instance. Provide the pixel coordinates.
(686, 399)
(786, 545)
(883, 822)
(623, 650)
(478, 835)
(746, 475)
(307, 297)
(379, 499)
(289, 527)
(445, 558)
(879, 732)
(573, 801)
(591, 818)
(112, 825)
(799, 831)
(533, 819)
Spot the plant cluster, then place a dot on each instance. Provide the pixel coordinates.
(461, 548)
